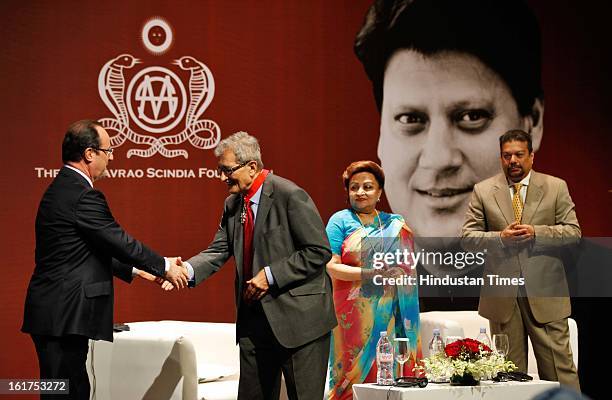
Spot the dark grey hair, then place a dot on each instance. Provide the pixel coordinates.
(518, 136)
(244, 146)
(81, 135)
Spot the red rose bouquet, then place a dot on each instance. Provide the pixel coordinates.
(466, 349)
(464, 362)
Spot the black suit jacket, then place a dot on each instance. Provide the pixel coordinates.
(289, 236)
(79, 247)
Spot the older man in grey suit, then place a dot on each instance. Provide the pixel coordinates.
(534, 216)
(283, 293)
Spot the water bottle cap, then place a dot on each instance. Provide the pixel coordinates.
(383, 333)
(436, 331)
(483, 330)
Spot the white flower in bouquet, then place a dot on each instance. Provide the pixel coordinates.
(465, 358)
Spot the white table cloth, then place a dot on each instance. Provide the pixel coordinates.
(485, 391)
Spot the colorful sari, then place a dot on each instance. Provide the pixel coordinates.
(364, 309)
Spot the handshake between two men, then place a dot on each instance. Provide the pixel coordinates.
(178, 277)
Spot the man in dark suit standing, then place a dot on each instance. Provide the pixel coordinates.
(79, 247)
(283, 292)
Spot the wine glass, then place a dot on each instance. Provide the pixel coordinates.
(401, 352)
(500, 341)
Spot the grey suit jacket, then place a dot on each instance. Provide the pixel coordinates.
(550, 209)
(289, 237)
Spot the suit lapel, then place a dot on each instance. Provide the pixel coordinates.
(238, 239)
(502, 197)
(265, 203)
(533, 198)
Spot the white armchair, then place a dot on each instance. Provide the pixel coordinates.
(167, 360)
(468, 324)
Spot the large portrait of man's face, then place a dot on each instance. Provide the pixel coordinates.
(449, 78)
(441, 118)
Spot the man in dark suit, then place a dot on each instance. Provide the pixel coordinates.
(79, 247)
(283, 292)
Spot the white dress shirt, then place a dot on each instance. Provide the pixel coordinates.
(525, 183)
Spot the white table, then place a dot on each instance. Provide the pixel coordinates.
(434, 391)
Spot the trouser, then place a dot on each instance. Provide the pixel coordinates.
(64, 357)
(263, 358)
(551, 344)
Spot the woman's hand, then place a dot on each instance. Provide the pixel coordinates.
(343, 272)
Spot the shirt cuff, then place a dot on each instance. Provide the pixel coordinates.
(166, 264)
(189, 270)
(134, 272)
(269, 275)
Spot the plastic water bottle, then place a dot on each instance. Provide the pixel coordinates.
(384, 360)
(483, 337)
(437, 344)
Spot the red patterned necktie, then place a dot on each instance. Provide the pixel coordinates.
(247, 254)
(249, 225)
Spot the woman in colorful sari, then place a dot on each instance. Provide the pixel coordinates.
(365, 306)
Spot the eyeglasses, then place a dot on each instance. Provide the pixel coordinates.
(228, 171)
(107, 151)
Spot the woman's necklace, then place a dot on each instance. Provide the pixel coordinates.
(380, 231)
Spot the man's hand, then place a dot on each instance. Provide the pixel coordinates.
(149, 277)
(529, 234)
(516, 234)
(257, 287)
(177, 274)
(165, 285)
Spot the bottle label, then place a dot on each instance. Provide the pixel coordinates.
(385, 357)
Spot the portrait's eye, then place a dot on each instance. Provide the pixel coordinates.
(412, 118)
(412, 122)
(473, 120)
(368, 187)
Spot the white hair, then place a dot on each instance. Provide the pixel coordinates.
(244, 146)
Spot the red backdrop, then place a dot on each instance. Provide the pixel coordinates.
(285, 72)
